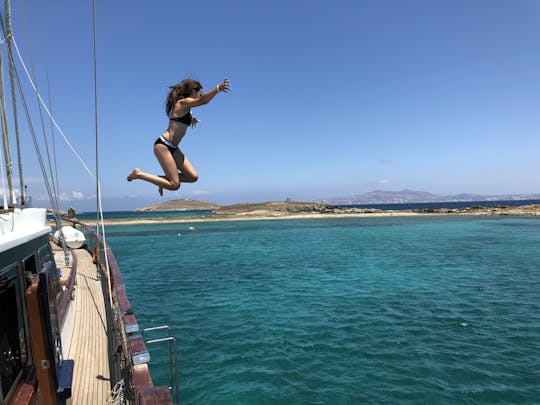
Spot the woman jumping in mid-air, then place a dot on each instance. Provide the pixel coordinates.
(176, 166)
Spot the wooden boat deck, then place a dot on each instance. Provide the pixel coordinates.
(91, 379)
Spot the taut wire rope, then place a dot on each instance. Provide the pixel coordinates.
(31, 128)
(98, 188)
(40, 109)
(53, 200)
(3, 175)
(44, 37)
(66, 140)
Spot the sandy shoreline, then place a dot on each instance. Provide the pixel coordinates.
(257, 215)
(247, 217)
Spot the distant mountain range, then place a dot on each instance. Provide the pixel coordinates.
(411, 196)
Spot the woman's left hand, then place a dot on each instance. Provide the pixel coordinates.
(225, 85)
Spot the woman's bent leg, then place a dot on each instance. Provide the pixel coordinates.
(188, 174)
(170, 181)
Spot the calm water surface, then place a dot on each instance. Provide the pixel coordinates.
(342, 311)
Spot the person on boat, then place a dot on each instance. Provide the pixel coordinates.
(177, 168)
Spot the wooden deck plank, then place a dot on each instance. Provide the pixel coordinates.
(91, 379)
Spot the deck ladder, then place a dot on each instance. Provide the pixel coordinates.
(173, 366)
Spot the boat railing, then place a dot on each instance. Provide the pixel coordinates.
(129, 339)
(24, 202)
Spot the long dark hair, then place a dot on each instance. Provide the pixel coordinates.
(178, 91)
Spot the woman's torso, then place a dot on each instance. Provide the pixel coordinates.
(179, 121)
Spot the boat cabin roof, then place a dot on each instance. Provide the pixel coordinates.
(21, 226)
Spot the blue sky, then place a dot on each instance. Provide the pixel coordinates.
(328, 99)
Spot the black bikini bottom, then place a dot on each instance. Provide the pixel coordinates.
(169, 145)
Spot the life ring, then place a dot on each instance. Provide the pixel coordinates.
(95, 256)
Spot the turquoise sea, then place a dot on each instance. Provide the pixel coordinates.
(393, 310)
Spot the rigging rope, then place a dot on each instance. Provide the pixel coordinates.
(98, 187)
(117, 392)
(48, 111)
(49, 160)
(53, 200)
(54, 195)
(3, 175)
(44, 37)
(31, 129)
(100, 208)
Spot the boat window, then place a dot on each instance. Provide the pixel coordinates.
(30, 265)
(45, 255)
(48, 278)
(12, 335)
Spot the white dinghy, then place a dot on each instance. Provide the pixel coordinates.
(73, 237)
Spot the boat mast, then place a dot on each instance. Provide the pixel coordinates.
(98, 191)
(9, 34)
(5, 139)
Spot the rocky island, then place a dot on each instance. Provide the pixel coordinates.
(180, 205)
(297, 209)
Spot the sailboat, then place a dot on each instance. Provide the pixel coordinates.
(68, 333)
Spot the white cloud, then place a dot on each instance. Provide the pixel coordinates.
(77, 195)
(199, 193)
(74, 196)
(385, 181)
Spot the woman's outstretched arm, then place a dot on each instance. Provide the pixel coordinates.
(189, 102)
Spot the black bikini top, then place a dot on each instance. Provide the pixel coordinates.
(184, 119)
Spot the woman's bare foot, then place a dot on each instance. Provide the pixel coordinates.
(134, 174)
